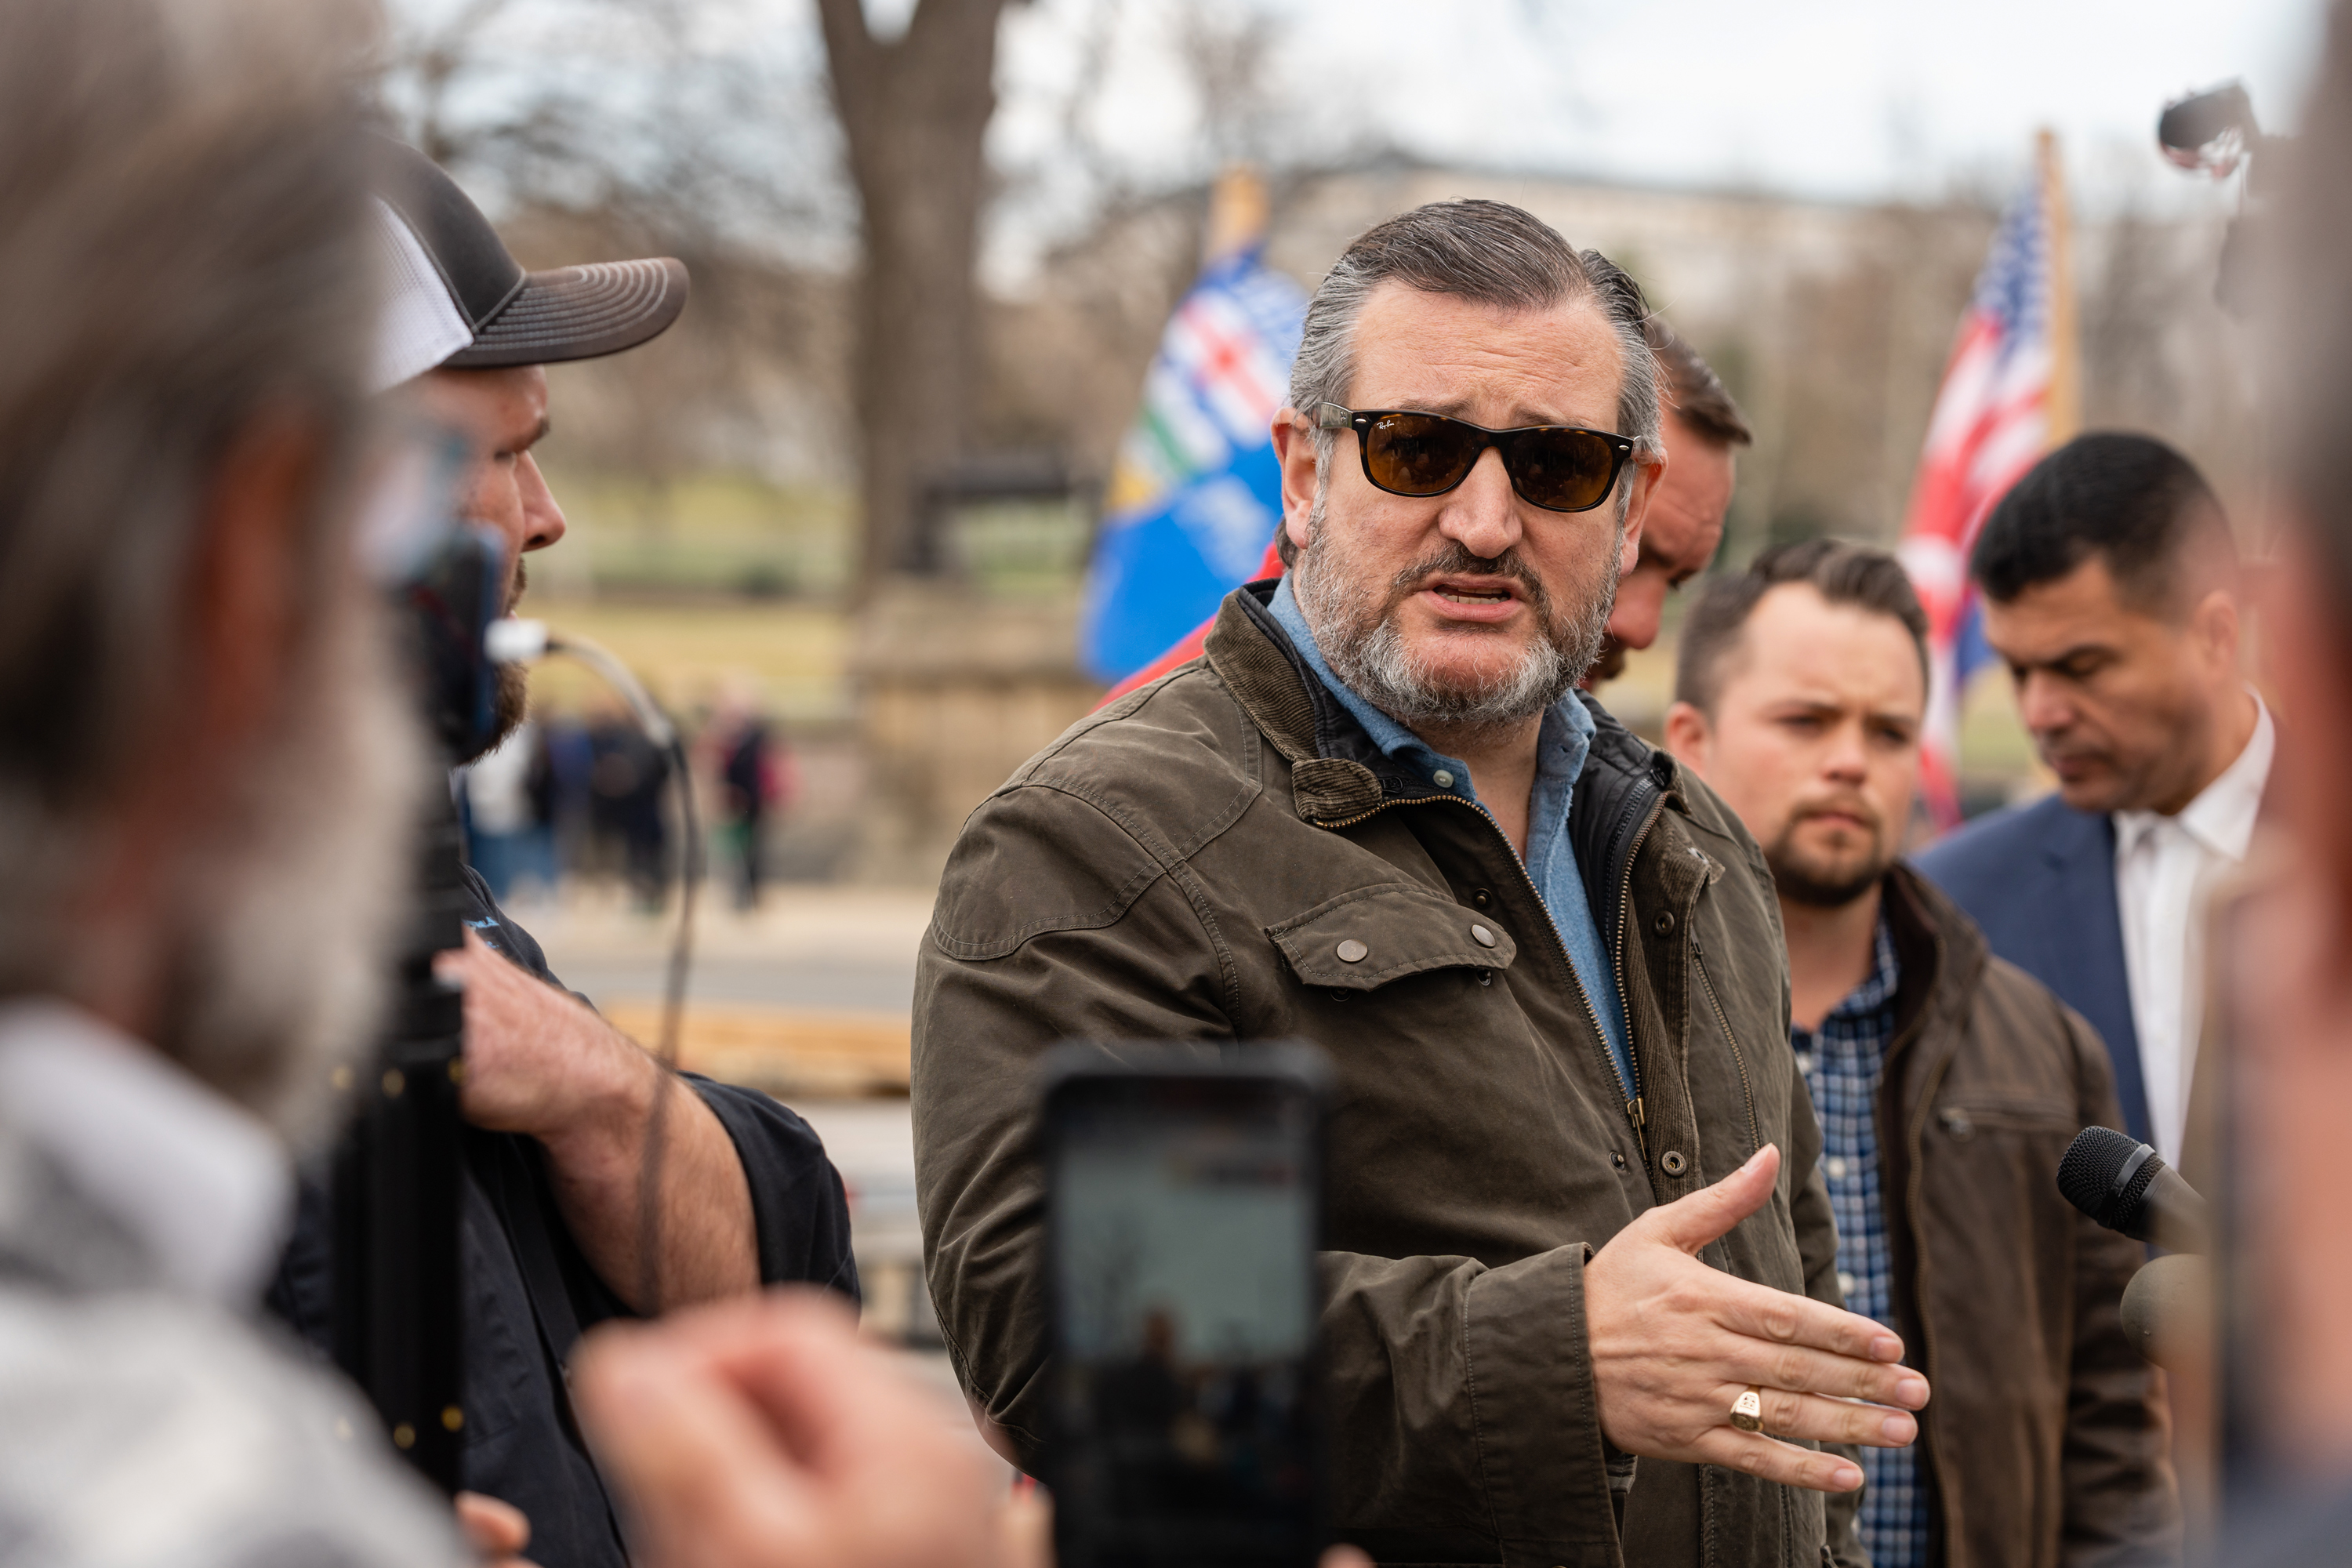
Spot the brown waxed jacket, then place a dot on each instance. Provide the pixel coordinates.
(1182, 866)
(2045, 1443)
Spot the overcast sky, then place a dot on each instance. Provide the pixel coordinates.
(1848, 99)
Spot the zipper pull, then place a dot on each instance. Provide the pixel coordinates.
(1633, 1113)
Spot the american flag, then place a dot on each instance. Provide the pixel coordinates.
(2005, 400)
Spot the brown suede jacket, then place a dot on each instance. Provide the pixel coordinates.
(1184, 865)
(2045, 1441)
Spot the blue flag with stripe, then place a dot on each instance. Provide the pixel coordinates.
(1195, 493)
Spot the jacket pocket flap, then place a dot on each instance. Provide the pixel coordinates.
(1373, 935)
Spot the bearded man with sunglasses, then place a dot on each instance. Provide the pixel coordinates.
(1580, 1267)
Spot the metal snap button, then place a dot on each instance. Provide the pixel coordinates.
(1617, 1159)
(1482, 936)
(1441, 779)
(1352, 951)
(1673, 1163)
(1482, 900)
(1663, 923)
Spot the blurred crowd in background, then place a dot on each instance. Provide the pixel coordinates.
(572, 795)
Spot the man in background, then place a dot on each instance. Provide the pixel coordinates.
(560, 1103)
(2111, 588)
(1947, 1082)
(1703, 429)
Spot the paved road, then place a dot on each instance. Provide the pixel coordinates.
(820, 985)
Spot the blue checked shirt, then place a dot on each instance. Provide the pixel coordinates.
(1842, 1062)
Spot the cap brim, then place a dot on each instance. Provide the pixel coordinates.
(579, 312)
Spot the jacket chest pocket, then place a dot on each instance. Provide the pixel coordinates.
(1365, 938)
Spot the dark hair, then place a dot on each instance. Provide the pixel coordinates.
(1843, 574)
(2130, 500)
(1490, 253)
(1694, 392)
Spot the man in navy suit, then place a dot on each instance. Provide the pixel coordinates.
(2111, 590)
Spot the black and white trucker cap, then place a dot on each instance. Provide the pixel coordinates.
(456, 298)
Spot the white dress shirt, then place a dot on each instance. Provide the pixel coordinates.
(2165, 868)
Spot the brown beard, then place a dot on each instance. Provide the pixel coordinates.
(1805, 881)
(510, 700)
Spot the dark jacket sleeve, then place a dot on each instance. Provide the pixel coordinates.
(1450, 1382)
(1460, 1391)
(2123, 1501)
(799, 1209)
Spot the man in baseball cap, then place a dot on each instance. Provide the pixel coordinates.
(559, 1099)
(457, 301)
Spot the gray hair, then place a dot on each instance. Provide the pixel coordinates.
(1490, 253)
(183, 262)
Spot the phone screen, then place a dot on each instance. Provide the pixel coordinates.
(1184, 1217)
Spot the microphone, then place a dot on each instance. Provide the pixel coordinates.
(2126, 1186)
(2168, 1312)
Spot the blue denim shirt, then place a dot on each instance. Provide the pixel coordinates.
(1561, 746)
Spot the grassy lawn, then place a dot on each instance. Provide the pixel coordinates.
(790, 653)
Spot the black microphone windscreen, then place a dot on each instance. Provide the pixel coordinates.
(2087, 1173)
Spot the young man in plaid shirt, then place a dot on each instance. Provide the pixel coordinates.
(1947, 1083)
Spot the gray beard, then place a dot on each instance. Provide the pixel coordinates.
(1361, 640)
(284, 912)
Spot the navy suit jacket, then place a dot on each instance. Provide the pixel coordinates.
(2041, 880)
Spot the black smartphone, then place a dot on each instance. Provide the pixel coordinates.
(1184, 1204)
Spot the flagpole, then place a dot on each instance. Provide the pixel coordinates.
(2064, 405)
(1238, 210)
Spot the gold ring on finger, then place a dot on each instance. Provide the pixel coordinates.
(1748, 1410)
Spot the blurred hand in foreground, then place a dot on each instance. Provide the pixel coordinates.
(495, 1530)
(763, 1432)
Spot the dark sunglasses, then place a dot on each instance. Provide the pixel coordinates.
(1558, 468)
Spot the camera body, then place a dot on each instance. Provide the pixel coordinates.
(398, 1174)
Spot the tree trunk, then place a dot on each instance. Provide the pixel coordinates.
(914, 112)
